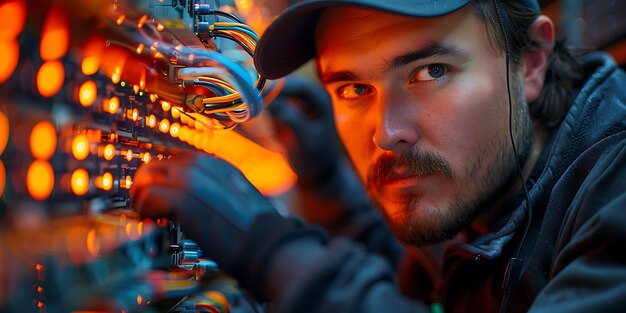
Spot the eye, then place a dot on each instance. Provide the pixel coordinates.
(353, 91)
(429, 72)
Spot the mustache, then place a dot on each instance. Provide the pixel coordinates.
(420, 163)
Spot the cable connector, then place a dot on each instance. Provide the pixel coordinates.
(195, 102)
(204, 30)
(172, 73)
(202, 9)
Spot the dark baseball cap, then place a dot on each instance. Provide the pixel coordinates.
(289, 41)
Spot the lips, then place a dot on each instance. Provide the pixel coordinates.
(400, 172)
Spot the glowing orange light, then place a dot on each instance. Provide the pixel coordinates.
(12, 15)
(112, 105)
(116, 76)
(140, 48)
(142, 20)
(38, 267)
(183, 133)
(189, 121)
(266, 170)
(128, 182)
(176, 112)
(90, 65)
(201, 123)
(55, 36)
(50, 78)
(139, 300)
(151, 121)
(93, 52)
(140, 228)
(4, 131)
(3, 178)
(160, 27)
(80, 182)
(9, 55)
(129, 155)
(136, 89)
(80, 147)
(87, 93)
(40, 180)
(39, 304)
(146, 157)
(39, 289)
(166, 106)
(174, 130)
(135, 114)
(120, 19)
(191, 136)
(208, 144)
(109, 152)
(43, 140)
(93, 244)
(164, 126)
(185, 119)
(153, 97)
(107, 181)
(197, 141)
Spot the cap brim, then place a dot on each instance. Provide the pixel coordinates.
(289, 41)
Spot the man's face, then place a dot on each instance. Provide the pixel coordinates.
(421, 106)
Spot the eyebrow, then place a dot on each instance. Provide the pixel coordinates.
(430, 50)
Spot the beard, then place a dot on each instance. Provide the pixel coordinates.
(419, 225)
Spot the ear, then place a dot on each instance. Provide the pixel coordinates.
(535, 59)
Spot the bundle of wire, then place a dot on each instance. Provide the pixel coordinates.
(237, 96)
(228, 101)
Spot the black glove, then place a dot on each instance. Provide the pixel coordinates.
(211, 199)
(232, 222)
(330, 188)
(306, 128)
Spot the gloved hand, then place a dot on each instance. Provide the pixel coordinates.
(211, 199)
(230, 220)
(326, 180)
(305, 126)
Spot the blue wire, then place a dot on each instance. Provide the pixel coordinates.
(243, 83)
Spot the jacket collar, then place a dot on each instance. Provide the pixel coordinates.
(562, 148)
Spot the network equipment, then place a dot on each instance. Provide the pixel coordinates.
(91, 90)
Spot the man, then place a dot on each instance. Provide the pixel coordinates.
(444, 108)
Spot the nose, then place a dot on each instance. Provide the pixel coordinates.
(396, 126)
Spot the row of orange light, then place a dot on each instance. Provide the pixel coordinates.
(54, 45)
(40, 175)
(80, 146)
(83, 242)
(13, 17)
(255, 161)
(40, 181)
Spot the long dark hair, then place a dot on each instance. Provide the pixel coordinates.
(563, 72)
